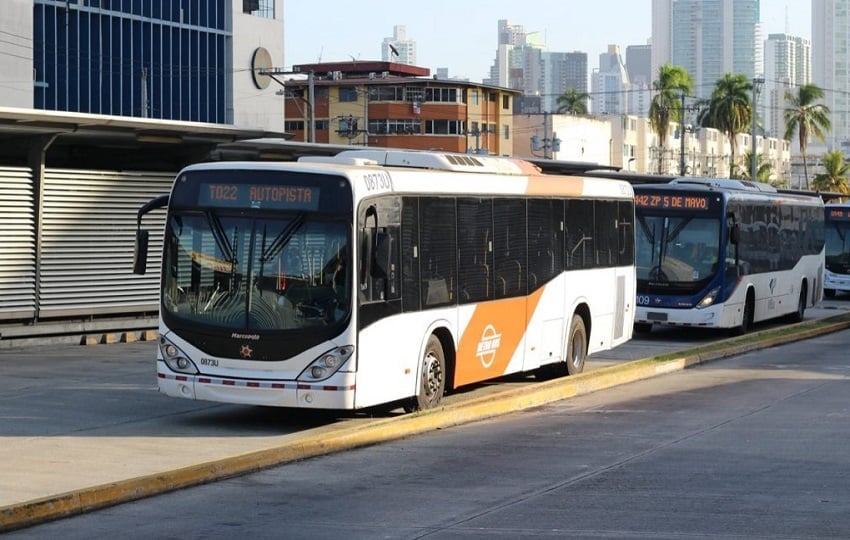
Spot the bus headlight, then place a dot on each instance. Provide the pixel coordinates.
(175, 358)
(709, 298)
(327, 364)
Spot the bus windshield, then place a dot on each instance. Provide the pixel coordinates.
(256, 273)
(677, 250)
(838, 246)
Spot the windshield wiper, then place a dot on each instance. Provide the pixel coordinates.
(282, 239)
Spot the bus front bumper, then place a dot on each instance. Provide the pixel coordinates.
(335, 393)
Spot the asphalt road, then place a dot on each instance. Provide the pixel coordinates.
(84, 424)
(753, 446)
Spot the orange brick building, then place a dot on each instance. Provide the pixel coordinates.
(392, 105)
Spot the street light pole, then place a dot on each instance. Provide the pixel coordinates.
(757, 82)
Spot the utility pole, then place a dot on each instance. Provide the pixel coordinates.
(682, 130)
(757, 82)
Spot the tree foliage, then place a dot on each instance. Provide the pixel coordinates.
(834, 177)
(572, 102)
(806, 117)
(666, 106)
(729, 110)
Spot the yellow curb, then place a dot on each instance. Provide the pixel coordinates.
(322, 442)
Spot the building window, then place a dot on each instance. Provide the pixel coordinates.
(473, 96)
(443, 127)
(507, 132)
(293, 125)
(506, 102)
(259, 8)
(347, 94)
(407, 126)
(387, 93)
(442, 95)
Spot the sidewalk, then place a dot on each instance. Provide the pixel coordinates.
(84, 428)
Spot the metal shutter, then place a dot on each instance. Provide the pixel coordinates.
(88, 232)
(17, 244)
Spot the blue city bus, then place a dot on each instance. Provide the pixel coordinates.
(837, 235)
(721, 253)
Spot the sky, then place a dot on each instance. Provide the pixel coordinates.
(461, 35)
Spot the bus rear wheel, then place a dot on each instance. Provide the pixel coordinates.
(798, 315)
(432, 378)
(577, 346)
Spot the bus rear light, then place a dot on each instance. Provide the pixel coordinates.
(175, 358)
(327, 364)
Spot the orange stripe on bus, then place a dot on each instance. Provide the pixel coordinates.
(492, 336)
(561, 185)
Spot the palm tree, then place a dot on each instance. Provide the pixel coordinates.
(764, 168)
(729, 109)
(806, 117)
(834, 177)
(673, 83)
(572, 102)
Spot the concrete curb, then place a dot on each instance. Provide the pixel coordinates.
(320, 441)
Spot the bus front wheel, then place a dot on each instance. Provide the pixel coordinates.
(747, 317)
(432, 378)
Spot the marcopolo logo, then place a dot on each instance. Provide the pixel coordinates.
(489, 344)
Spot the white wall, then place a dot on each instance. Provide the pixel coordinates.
(16, 49)
(254, 107)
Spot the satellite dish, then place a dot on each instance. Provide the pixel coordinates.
(261, 64)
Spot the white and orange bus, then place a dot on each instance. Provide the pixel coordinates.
(376, 277)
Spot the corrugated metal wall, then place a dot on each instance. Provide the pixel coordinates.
(88, 224)
(17, 244)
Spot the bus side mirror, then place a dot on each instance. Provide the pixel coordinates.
(140, 252)
(734, 234)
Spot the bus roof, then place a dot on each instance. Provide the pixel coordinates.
(733, 189)
(439, 173)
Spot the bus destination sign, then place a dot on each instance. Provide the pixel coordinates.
(267, 196)
(838, 214)
(673, 201)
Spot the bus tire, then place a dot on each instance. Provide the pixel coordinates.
(432, 378)
(798, 315)
(829, 293)
(643, 328)
(748, 315)
(576, 346)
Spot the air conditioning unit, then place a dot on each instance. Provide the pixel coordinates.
(385, 74)
(337, 75)
(371, 75)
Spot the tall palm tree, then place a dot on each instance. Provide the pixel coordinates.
(805, 117)
(729, 109)
(834, 177)
(666, 106)
(572, 102)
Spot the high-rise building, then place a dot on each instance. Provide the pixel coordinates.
(519, 60)
(787, 64)
(563, 70)
(190, 61)
(708, 38)
(609, 84)
(639, 68)
(830, 58)
(399, 49)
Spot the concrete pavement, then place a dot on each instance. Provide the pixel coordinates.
(50, 473)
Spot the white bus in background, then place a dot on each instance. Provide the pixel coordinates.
(837, 235)
(378, 277)
(721, 253)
